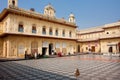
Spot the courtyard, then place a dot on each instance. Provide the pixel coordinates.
(91, 67)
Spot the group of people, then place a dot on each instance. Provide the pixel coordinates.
(36, 55)
(33, 55)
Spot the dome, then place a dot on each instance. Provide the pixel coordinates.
(71, 15)
(49, 6)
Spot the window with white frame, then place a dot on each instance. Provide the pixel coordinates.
(44, 30)
(20, 27)
(50, 31)
(33, 29)
(56, 32)
(70, 34)
(63, 33)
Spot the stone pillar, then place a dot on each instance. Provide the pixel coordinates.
(8, 49)
(40, 47)
(4, 49)
(60, 47)
(47, 52)
(28, 47)
(115, 49)
(47, 31)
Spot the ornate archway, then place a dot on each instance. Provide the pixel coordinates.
(34, 47)
(21, 49)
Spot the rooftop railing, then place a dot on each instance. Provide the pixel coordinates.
(42, 16)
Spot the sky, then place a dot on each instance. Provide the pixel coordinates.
(88, 13)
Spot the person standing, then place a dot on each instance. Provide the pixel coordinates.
(35, 55)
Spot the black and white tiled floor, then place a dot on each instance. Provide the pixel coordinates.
(59, 69)
(14, 71)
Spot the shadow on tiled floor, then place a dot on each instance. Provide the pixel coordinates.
(14, 71)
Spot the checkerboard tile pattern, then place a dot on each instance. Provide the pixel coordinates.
(14, 71)
(59, 69)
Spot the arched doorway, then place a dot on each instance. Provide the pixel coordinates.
(93, 49)
(44, 48)
(21, 49)
(78, 48)
(119, 47)
(110, 49)
(50, 48)
(34, 47)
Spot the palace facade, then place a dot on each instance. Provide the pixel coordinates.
(102, 39)
(27, 31)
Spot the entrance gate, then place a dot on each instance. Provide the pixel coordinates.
(111, 49)
(50, 48)
(93, 49)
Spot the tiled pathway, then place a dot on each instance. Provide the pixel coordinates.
(92, 67)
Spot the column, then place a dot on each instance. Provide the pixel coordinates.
(8, 49)
(40, 47)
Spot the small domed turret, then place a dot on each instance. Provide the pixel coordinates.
(49, 6)
(71, 15)
(72, 18)
(49, 10)
(12, 3)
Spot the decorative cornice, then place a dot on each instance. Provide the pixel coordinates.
(36, 36)
(32, 14)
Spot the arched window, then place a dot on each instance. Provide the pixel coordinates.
(50, 31)
(34, 29)
(56, 32)
(13, 2)
(63, 33)
(44, 30)
(20, 27)
(70, 34)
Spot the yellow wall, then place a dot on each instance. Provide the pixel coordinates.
(104, 35)
(15, 41)
(87, 46)
(28, 22)
(105, 44)
(1, 47)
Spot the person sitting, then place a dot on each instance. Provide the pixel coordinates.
(35, 55)
(59, 54)
(26, 55)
